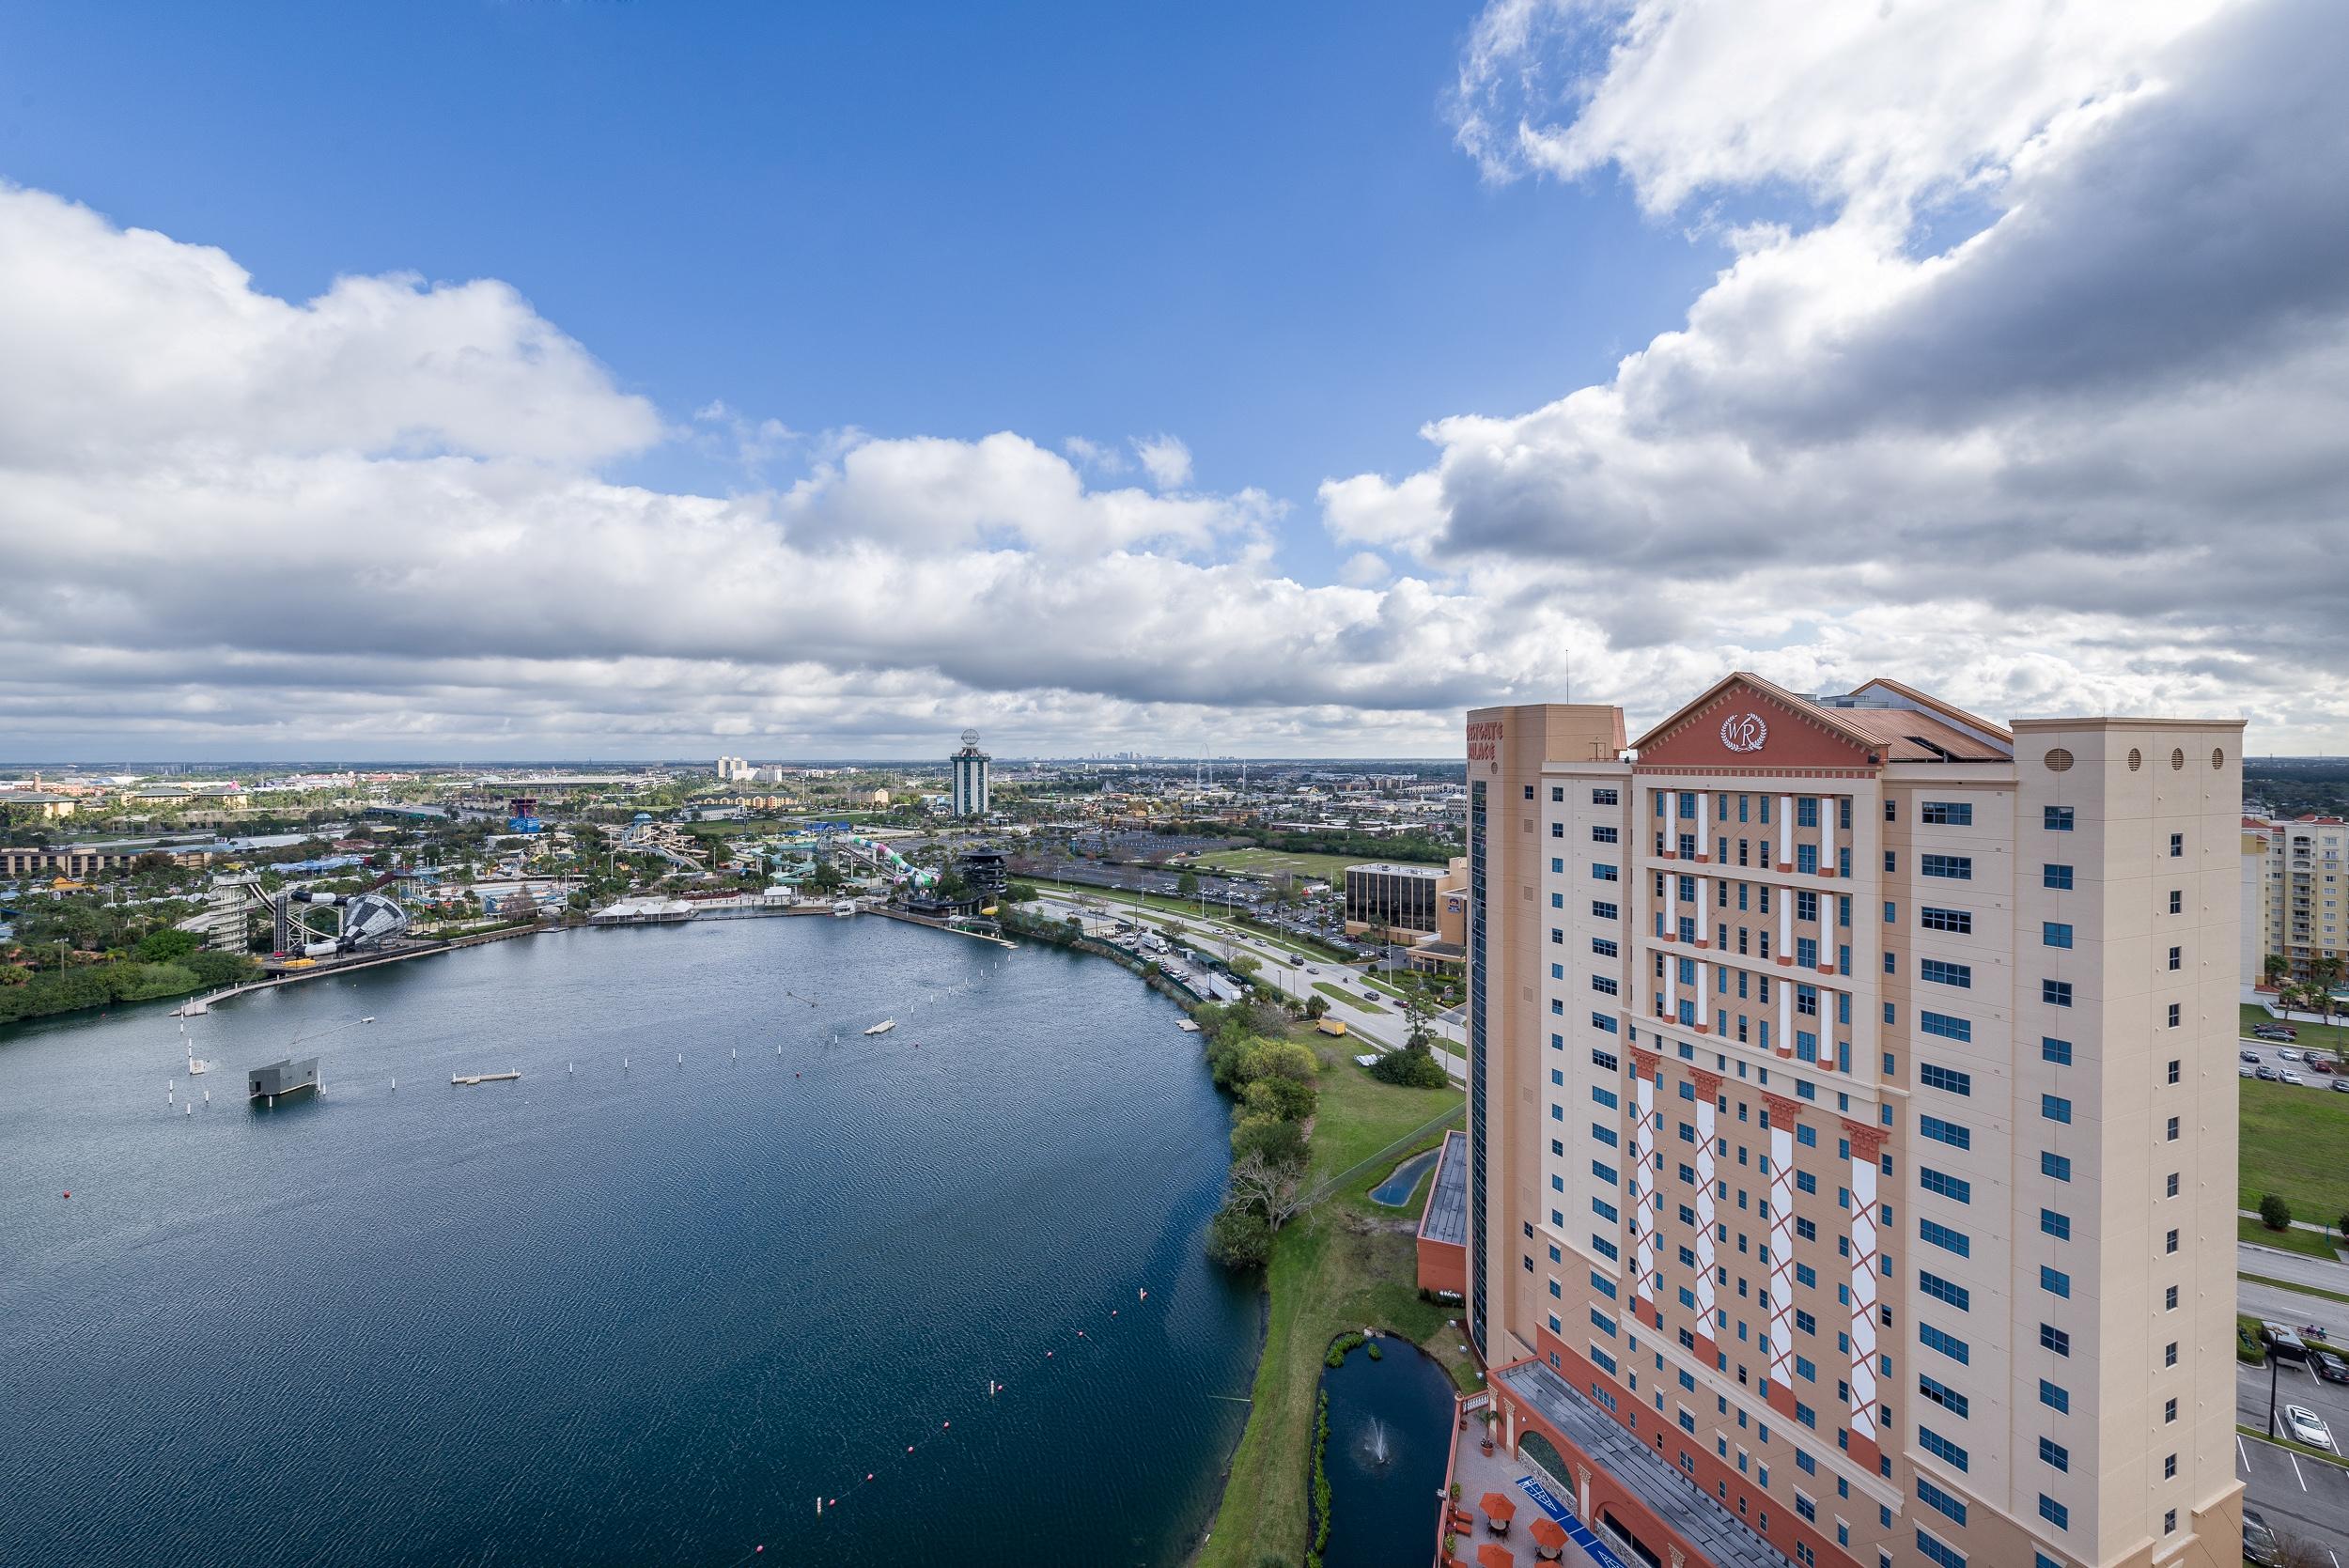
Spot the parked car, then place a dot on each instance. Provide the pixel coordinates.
(2267, 1073)
(2246, 1072)
(2316, 1064)
(2275, 1032)
(2247, 1056)
(2291, 1078)
(2328, 1365)
(2260, 1545)
(2341, 1084)
(2306, 1426)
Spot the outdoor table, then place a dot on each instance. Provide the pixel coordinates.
(1498, 1509)
(1550, 1537)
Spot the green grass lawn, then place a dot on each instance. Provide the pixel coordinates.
(2328, 1037)
(1352, 998)
(2294, 1240)
(1272, 863)
(1330, 1272)
(2295, 1144)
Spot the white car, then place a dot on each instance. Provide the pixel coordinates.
(2246, 1072)
(2306, 1426)
(2290, 1078)
(2289, 1054)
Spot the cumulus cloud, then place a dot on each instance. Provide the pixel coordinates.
(2023, 377)
(2057, 335)
(1166, 459)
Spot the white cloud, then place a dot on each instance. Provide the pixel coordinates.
(1098, 458)
(1364, 569)
(1166, 459)
(2103, 419)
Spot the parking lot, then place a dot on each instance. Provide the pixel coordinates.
(2296, 1496)
(2268, 1055)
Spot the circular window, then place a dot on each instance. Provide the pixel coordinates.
(2217, 757)
(2177, 759)
(2058, 760)
(2137, 759)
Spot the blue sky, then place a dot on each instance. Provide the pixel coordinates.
(488, 378)
(1245, 224)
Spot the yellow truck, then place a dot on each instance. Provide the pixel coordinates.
(1331, 1026)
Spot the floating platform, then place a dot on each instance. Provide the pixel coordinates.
(513, 1076)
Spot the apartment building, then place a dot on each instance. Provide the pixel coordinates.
(2294, 875)
(1852, 1127)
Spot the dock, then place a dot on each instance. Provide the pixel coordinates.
(512, 1076)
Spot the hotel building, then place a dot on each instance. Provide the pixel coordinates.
(1852, 1127)
(2296, 870)
(971, 783)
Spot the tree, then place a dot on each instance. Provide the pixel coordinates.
(1272, 1190)
(1418, 1016)
(1186, 885)
(162, 947)
(1317, 1007)
(1269, 1138)
(2275, 1213)
(1239, 1238)
(2275, 968)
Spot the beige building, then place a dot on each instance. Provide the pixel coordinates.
(1852, 1131)
(2294, 876)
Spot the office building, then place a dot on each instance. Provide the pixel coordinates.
(1852, 1127)
(734, 770)
(970, 777)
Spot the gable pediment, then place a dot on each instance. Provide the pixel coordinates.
(1747, 723)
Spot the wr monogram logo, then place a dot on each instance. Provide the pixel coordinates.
(1744, 732)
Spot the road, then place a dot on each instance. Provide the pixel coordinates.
(1382, 1030)
(2292, 1268)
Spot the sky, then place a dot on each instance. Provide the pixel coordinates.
(513, 378)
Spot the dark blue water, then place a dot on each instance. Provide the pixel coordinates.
(1383, 1513)
(625, 1318)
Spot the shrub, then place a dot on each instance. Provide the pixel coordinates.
(1413, 1067)
(1376, 1353)
(2275, 1213)
(1283, 1098)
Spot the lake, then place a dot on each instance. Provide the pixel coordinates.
(641, 1316)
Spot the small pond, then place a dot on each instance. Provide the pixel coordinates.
(1396, 1189)
(1390, 1433)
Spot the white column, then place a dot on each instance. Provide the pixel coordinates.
(1709, 1087)
(1829, 814)
(1785, 1046)
(1865, 1141)
(1704, 911)
(1704, 822)
(1642, 1204)
(1785, 925)
(1782, 1346)
(1704, 997)
(1786, 831)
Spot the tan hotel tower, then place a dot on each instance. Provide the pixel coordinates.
(1852, 1127)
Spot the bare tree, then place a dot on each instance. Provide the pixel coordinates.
(1272, 1190)
(2298, 1551)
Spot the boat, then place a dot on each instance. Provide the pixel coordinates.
(843, 909)
(883, 1026)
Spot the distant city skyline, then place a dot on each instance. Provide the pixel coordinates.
(623, 382)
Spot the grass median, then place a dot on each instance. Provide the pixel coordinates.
(2307, 1243)
(1345, 1264)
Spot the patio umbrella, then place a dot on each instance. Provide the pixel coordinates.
(1548, 1535)
(1498, 1508)
(1492, 1554)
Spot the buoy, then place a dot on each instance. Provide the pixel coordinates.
(208, 1096)
(624, 1063)
(730, 1054)
(680, 1059)
(68, 1194)
(908, 1448)
(190, 1108)
(574, 1069)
